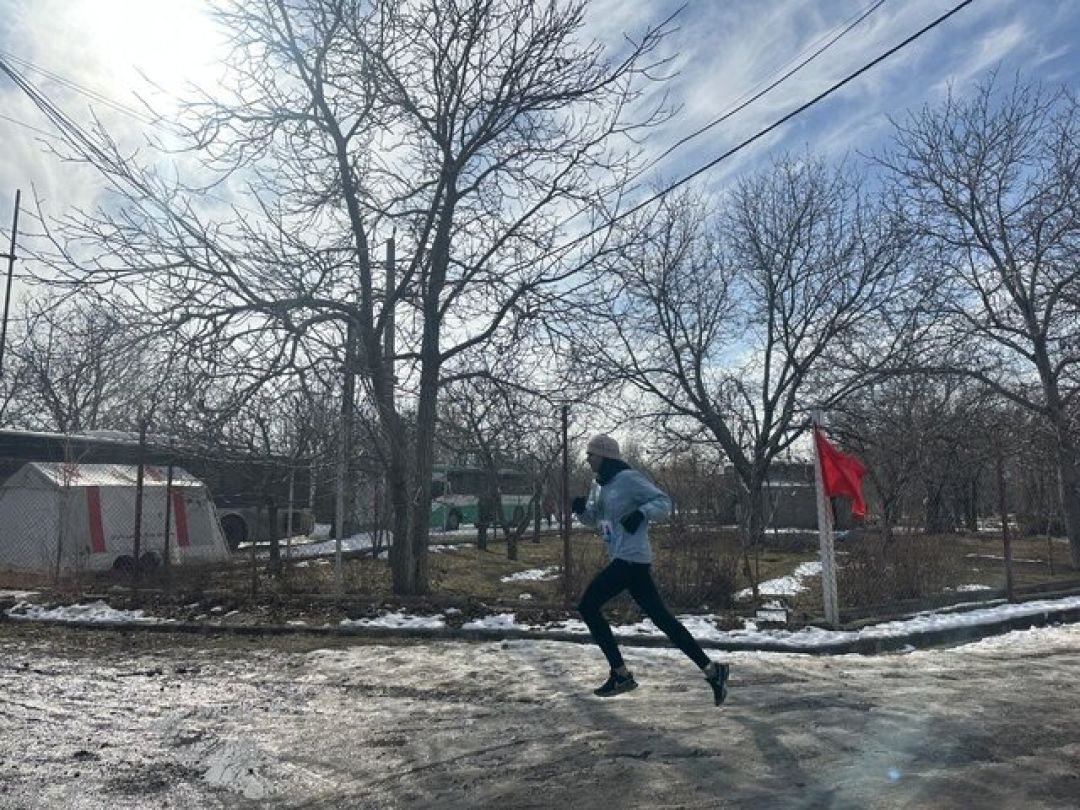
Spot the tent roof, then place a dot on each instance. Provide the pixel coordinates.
(110, 475)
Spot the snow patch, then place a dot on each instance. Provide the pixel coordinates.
(785, 586)
(92, 612)
(534, 575)
(397, 620)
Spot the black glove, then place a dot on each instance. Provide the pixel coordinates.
(632, 521)
(577, 506)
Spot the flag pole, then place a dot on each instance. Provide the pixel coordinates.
(825, 533)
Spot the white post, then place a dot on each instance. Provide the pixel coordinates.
(825, 532)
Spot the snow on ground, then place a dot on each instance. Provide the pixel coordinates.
(701, 626)
(1000, 558)
(785, 586)
(321, 545)
(91, 612)
(155, 720)
(534, 574)
(397, 620)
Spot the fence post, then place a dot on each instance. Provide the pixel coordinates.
(168, 522)
(1006, 540)
(566, 500)
(136, 546)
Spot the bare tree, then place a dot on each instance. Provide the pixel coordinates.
(926, 442)
(78, 364)
(990, 181)
(733, 325)
(500, 418)
(472, 131)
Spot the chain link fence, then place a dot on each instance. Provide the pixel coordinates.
(93, 527)
(72, 521)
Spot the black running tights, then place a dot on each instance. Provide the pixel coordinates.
(619, 576)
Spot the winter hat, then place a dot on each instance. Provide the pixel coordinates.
(603, 445)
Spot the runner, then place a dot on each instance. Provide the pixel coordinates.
(620, 505)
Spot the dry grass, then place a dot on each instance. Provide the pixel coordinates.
(695, 570)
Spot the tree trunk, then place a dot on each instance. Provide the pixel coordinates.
(401, 551)
(936, 518)
(971, 506)
(755, 529)
(1069, 482)
(415, 580)
(1067, 462)
(275, 566)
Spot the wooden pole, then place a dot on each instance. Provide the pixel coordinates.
(136, 546)
(344, 451)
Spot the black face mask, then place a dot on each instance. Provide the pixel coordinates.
(609, 468)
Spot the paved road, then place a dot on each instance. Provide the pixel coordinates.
(129, 720)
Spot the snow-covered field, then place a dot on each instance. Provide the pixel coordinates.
(145, 720)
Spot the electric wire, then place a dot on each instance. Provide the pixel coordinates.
(771, 86)
(69, 127)
(90, 93)
(760, 133)
(44, 133)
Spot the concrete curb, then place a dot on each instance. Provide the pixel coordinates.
(862, 646)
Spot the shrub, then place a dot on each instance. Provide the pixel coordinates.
(696, 569)
(691, 570)
(907, 567)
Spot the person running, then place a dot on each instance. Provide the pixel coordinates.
(620, 505)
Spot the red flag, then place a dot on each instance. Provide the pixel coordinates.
(840, 473)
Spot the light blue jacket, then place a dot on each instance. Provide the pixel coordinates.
(607, 505)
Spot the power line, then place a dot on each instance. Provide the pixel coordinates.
(761, 133)
(65, 124)
(90, 93)
(73, 134)
(771, 86)
(31, 127)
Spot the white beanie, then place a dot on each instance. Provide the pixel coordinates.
(603, 445)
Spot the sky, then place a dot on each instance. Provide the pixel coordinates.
(106, 57)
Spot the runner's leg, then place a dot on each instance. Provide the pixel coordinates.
(644, 591)
(605, 586)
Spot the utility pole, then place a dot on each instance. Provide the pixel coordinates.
(10, 255)
(566, 500)
(389, 347)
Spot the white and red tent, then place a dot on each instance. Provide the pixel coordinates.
(70, 517)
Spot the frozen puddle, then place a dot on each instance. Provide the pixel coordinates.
(234, 765)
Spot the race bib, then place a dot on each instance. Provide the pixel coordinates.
(607, 530)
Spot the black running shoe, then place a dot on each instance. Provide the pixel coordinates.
(717, 676)
(615, 685)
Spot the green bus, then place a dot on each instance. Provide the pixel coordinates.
(458, 496)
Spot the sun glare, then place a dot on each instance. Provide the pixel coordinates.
(171, 42)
